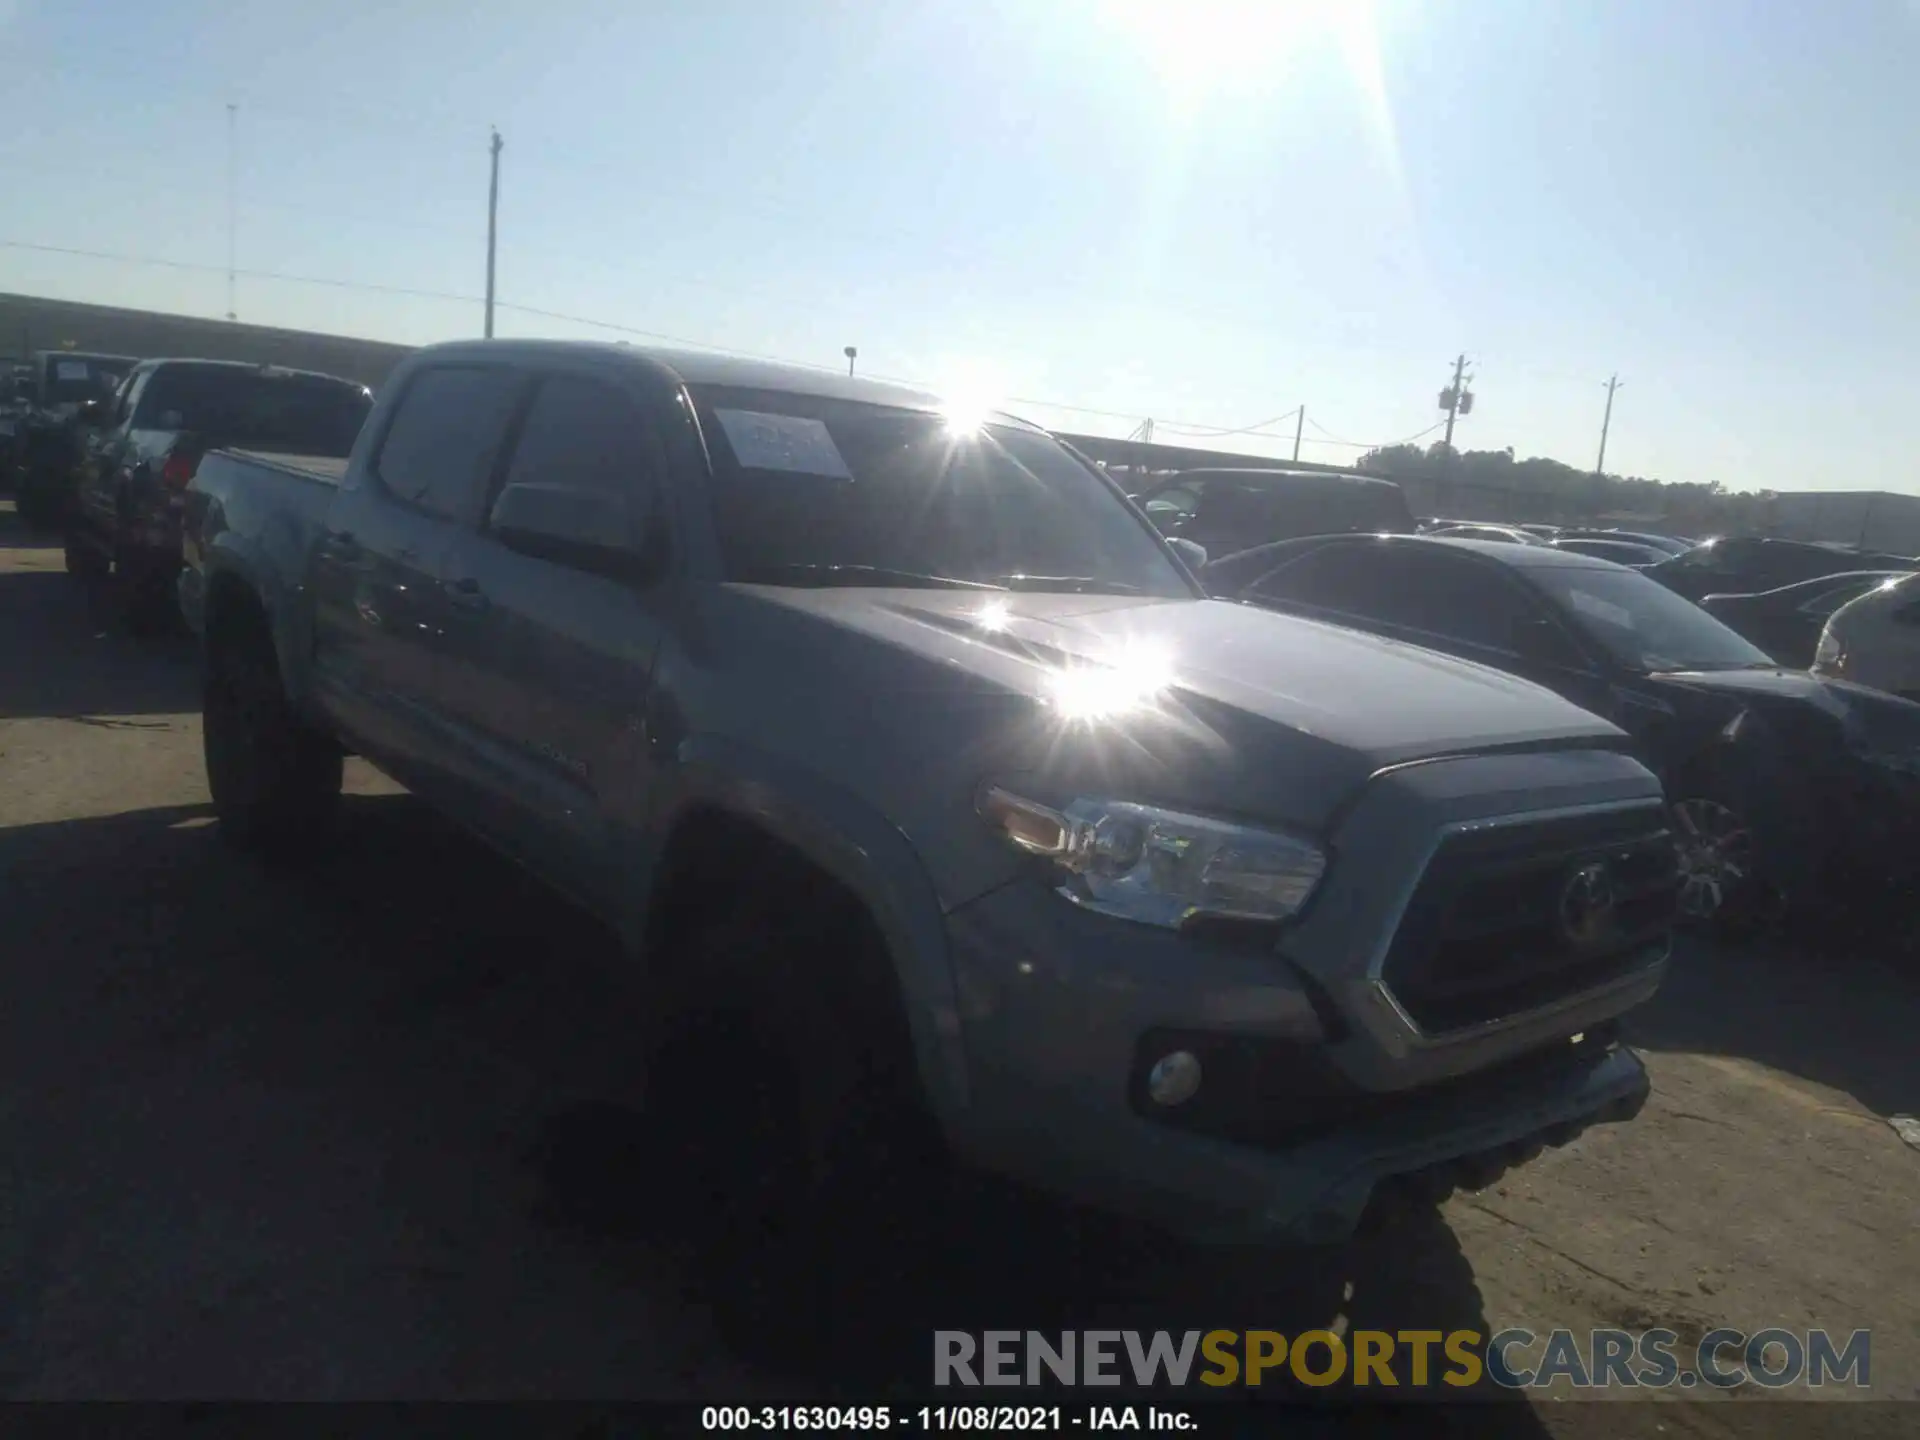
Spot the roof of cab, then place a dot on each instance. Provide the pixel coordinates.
(253, 365)
(1525, 557)
(700, 368)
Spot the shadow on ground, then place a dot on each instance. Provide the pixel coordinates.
(16, 534)
(96, 670)
(1842, 1018)
(369, 1128)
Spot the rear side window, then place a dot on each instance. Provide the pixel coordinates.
(588, 436)
(267, 410)
(440, 447)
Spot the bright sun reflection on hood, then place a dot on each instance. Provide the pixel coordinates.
(1101, 690)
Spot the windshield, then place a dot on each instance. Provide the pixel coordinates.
(1643, 624)
(809, 491)
(72, 379)
(260, 410)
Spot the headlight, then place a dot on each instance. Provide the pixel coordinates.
(1826, 655)
(1162, 867)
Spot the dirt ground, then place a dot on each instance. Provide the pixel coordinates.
(354, 1131)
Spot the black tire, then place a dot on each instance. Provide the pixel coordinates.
(83, 562)
(803, 1167)
(275, 781)
(142, 598)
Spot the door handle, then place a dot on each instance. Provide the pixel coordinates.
(466, 594)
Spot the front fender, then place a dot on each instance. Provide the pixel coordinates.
(857, 846)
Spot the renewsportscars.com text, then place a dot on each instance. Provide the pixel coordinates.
(1772, 1358)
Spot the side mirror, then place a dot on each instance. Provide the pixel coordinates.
(585, 529)
(1191, 552)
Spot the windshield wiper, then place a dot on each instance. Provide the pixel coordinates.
(1068, 584)
(825, 577)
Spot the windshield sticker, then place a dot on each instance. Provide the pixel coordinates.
(792, 443)
(71, 370)
(1601, 610)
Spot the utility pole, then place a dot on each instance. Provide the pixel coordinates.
(852, 352)
(493, 225)
(1606, 424)
(1299, 424)
(233, 204)
(1456, 399)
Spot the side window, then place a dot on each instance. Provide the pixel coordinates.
(1329, 578)
(587, 436)
(1460, 599)
(1411, 589)
(438, 452)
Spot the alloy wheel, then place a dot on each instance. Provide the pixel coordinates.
(1715, 849)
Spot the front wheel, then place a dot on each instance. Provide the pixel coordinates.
(1718, 850)
(797, 1155)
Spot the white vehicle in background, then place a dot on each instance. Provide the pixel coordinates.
(1875, 640)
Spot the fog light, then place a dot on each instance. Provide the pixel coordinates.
(1174, 1079)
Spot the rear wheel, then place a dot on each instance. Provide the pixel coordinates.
(83, 562)
(142, 594)
(275, 781)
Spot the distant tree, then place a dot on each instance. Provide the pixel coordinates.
(1550, 488)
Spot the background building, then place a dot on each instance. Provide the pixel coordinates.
(29, 323)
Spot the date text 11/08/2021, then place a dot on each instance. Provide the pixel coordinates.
(936, 1419)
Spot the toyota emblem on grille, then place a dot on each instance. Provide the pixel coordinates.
(1589, 907)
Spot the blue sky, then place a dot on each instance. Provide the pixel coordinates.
(1078, 201)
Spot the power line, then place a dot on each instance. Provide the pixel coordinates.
(659, 337)
(1254, 429)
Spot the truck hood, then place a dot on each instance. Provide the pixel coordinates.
(1222, 699)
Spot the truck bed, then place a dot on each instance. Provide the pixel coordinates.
(307, 467)
(269, 508)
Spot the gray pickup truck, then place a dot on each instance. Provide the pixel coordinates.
(925, 786)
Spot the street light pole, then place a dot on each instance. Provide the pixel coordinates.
(233, 204)
(1600, 465)
(493, 225)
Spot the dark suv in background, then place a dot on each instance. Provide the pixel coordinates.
(48, 442)
(1230, 510)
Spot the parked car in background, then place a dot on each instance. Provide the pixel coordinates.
(1666, 544)
(1620, 552)
(1544, 532)
(1781, 785)
(1229, 510)
(49, 443)
(902, 755)
(1746, 565)
(140, 452)
(1874, 639)
(16, 404)
(1786, 622)
(1496, 534)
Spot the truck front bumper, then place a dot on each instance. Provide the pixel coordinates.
(1063, 1012)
